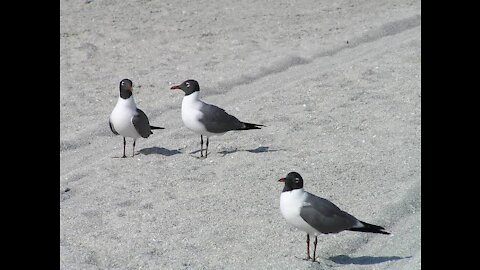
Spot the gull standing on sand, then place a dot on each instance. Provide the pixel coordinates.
(206, 119)
(126, 119)
(315, 215)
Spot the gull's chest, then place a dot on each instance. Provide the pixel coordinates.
(191, 115)
(121, 119)
(291, 203)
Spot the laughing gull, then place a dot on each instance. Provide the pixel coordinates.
(206, 119)
(128, 120)
(315, 215)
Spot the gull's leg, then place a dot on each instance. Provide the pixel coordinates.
(124, 143)
(206, 149)
(133, 153)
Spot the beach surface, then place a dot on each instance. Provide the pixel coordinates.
(337, 85)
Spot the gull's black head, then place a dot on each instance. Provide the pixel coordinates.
(126, 88)
(293, 181)
(188, 86)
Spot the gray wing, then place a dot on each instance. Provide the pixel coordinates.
(141, 124)
(325, 216)
(111, 127)
(216, 120)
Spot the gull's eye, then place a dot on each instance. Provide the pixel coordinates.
(296, 180)
(188, 84)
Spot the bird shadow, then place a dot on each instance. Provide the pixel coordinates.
(364, 260)
(194, 152)
(119, 157)
(159, 151)
(261, 149)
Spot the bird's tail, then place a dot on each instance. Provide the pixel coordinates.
(154, 127)
(250, 126)
(369, 228)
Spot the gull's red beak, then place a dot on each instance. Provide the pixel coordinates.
(282, 180)
(175, 87)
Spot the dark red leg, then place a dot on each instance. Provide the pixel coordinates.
(206, 149)
(124, 143)
(133, 153)
(314, 248)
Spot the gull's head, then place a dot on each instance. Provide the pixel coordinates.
(188, 86)
(126, 88)
(293, 181)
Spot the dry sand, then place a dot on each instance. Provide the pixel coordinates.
(337, 83)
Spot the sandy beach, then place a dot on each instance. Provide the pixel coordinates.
(336, 83)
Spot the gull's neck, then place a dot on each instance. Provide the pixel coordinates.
(129, 102)
(192, 98)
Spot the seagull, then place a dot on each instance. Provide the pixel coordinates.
(126, 119)
(206, 119)
(315, 215)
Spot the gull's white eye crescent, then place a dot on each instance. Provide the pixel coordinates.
(188, 84)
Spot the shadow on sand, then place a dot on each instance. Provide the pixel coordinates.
(261, 149)
(364, 260)
(159, 151)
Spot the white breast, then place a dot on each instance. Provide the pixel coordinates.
(191, 114)
(290, 205)
(121, 117)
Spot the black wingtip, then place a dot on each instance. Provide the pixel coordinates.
(251, 126)
(369, 228)
(154, 127)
